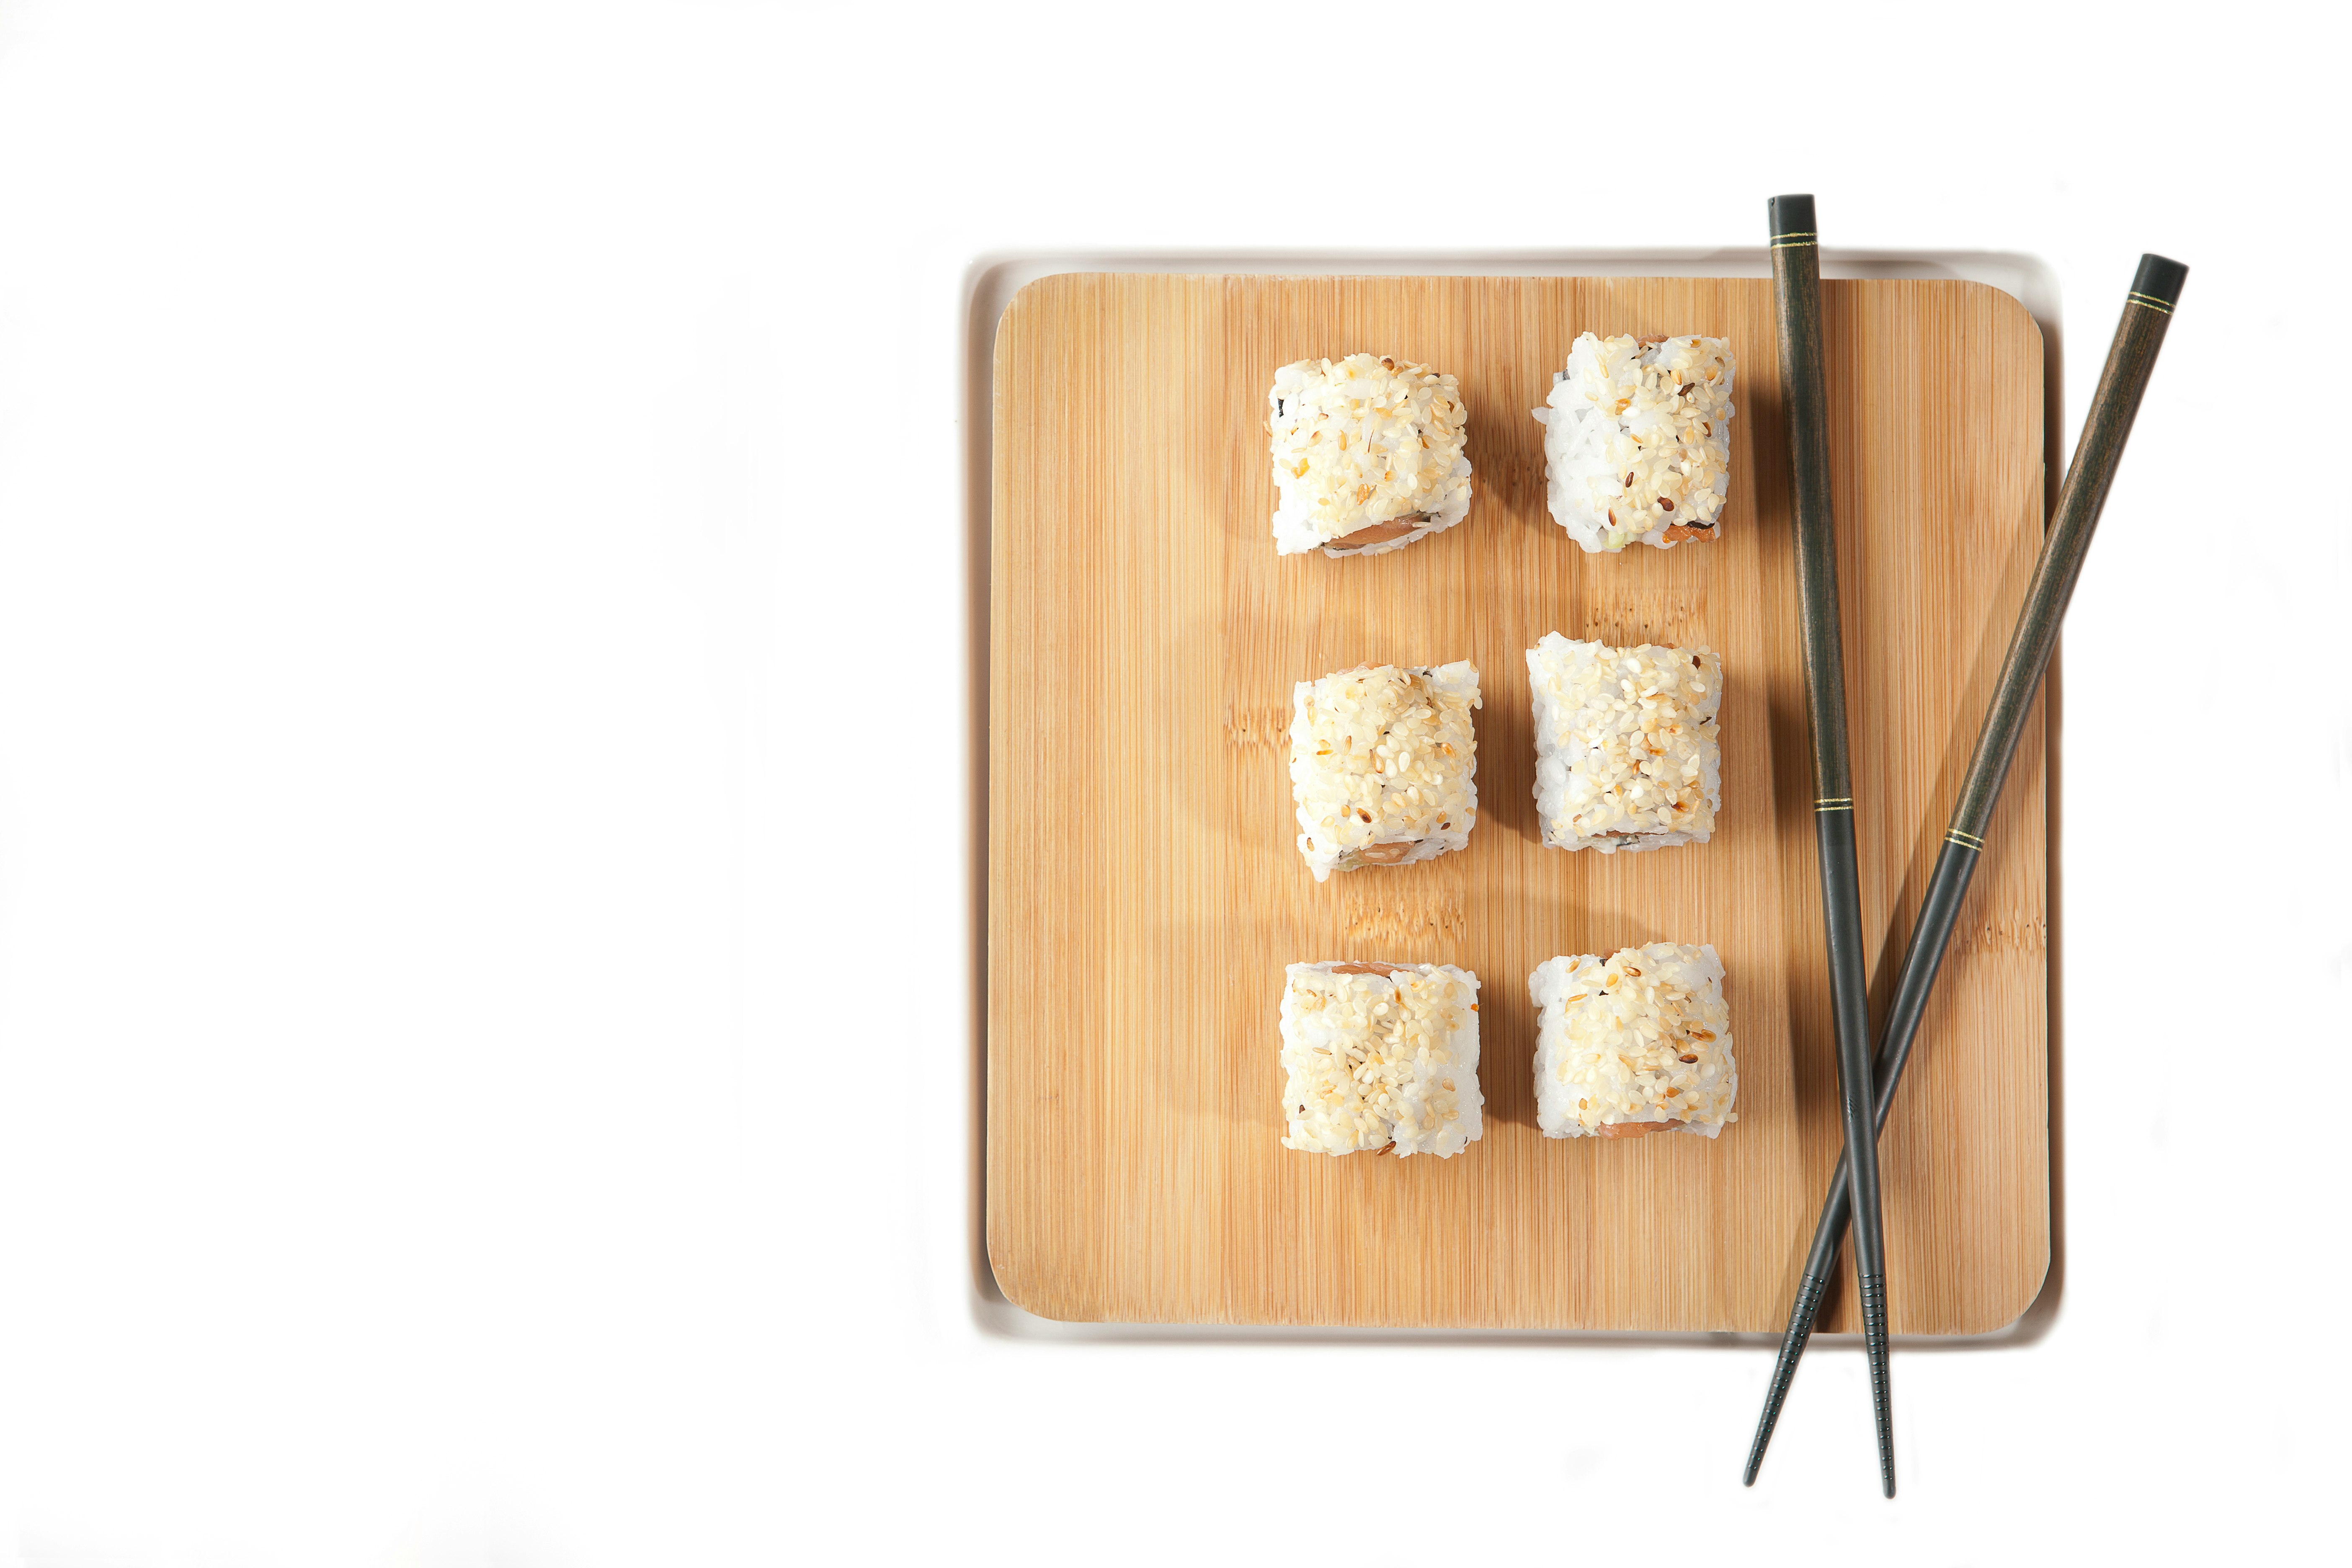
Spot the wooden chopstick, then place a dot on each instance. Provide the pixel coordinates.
(1797, 302)
(2148, 311)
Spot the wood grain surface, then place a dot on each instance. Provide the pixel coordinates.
(1144, 892)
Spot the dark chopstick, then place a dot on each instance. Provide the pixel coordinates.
(2148, 311)
(1796, 301)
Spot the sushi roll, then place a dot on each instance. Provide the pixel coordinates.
(1368, 455)
(1626, 756)
(1380, 1056)
(1383, 765)
(1634, 1043)
(1637, 440)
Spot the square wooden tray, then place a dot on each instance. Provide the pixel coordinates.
(1144, 893)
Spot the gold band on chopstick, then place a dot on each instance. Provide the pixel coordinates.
(2150, 301)
(1842, 802)
(1783, 241)
(1965, 840)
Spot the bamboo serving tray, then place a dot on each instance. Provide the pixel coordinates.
(1144, 893)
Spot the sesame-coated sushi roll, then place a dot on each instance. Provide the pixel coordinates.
(1626, 755)
(1634, 1044)
(1368, 455)
(1637, 440)
(1380, 1056)
(1384, 764)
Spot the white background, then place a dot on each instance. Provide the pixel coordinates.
(484, 925)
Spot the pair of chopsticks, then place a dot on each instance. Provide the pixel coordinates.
(1866, 1089)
